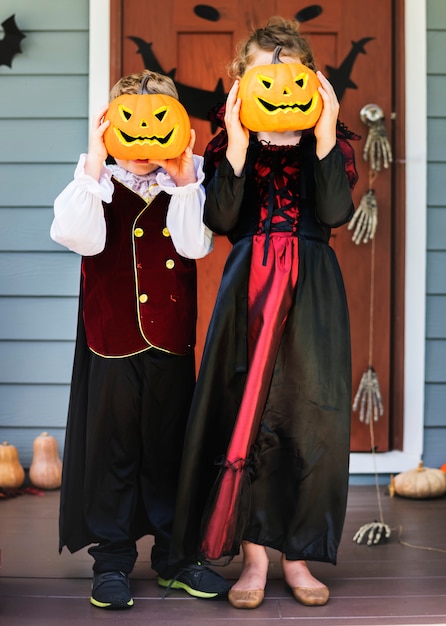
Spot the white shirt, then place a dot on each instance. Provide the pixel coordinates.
(79, 222)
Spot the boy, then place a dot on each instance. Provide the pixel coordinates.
(138, 226)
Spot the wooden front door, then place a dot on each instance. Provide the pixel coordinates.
(353, 43)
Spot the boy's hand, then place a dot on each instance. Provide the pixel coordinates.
(325, 129)
(97, 152)
(182, 168)
(238, 135)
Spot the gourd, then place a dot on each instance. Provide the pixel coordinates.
(146, 126)
(46, 467)
(279, 97)
(12, 474)
(422, 482)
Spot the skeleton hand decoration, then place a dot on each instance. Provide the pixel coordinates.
(372, 532)
(377, 147)
(368, 397)
(365, 218)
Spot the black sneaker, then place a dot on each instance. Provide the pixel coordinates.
(111, 590)
(198, 581)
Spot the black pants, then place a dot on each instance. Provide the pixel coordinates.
(137, 411)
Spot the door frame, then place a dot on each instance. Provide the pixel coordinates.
(410, 343)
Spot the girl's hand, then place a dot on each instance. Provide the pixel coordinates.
(325, 129)
(97, 152)
(238, 135)
(182, 168)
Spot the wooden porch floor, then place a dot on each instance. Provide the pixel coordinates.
(386, 584)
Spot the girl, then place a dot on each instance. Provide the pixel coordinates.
(265, 462)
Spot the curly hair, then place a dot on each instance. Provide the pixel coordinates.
(156, 83)
(278, 31)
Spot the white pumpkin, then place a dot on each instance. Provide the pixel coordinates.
(421, 482)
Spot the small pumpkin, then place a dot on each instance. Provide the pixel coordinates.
(46, 467)
(12, 474)
(421, 482)
(279, 97)
(146, 126)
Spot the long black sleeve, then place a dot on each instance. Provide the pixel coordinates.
(333, 199)
(224, 194)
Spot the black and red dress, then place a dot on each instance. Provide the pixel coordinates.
(266, 453)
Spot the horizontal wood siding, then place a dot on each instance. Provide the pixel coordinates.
(43, 128)
(435, 402)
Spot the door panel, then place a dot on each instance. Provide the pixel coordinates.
(353, 47)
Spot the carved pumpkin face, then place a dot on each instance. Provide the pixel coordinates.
(279, 97)
(146, 126)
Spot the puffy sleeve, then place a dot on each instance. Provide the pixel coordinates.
(79, 222)
(190, 236)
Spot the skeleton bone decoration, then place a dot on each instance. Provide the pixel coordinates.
(365, 218)
(376, 151)
(368, 397)
(372, 533)
(377, 148)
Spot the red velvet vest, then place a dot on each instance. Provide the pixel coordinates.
(139, 292)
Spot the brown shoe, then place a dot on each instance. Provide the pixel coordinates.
(311, 596)
(249, 599)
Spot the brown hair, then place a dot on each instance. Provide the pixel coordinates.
(156, 83)
(278, 31)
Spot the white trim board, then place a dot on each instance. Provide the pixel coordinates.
(99, 58)
(416, 210)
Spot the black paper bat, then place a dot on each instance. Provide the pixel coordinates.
(340, 76)
(10, 44)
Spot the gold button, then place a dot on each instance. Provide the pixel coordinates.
(143, 298)
(166, 232)
(170, 264)
(139, 232)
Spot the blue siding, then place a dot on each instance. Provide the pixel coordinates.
(435, 398)
(44, 127)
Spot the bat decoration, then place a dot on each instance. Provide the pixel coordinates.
(206, 12)
(148, 57)
(309, 13)
(339, 77)
(197, 101)
(10, 44)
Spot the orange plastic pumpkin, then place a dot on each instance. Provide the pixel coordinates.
(279, 97)
(146, 126)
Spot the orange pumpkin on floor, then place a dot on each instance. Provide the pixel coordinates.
(12, 474)
(146, 126)
(279, 97)
(46, 467)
